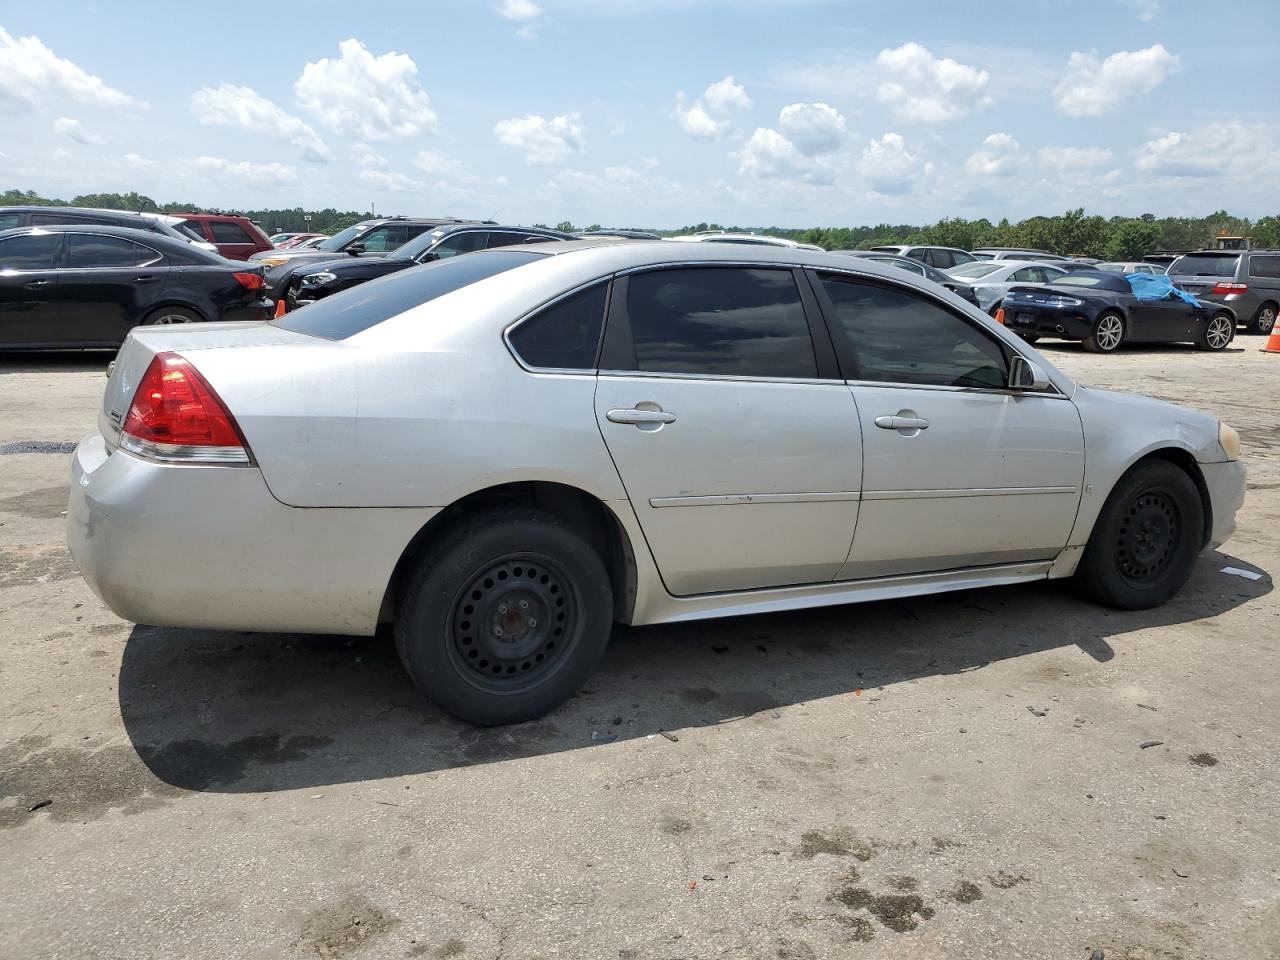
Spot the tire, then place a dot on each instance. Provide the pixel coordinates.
(1216, 332)
(1030, 337)
(1264, 320)
(170, 315)
(1146, 539)
(528, 576)
(1106, 338)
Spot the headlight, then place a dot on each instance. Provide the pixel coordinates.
(323, 276)
(1229, 440)
(273, 261)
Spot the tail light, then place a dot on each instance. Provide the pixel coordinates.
(250, 281)
(1000, 316)
(1225, 287)
(176, 417)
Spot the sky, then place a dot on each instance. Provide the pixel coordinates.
(656, 113)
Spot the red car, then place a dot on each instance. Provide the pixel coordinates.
(237, 238)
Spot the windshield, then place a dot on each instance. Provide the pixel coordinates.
(340, 239)
(977, 269)
(355, 310)
(1206, 265)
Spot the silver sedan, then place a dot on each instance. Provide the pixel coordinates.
(504, 454)
(991, 279)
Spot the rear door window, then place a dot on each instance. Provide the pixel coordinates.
(88, 250)
(896, 336)
(722, 321)
(1268, 267)
(9, 220)
(565, 335)
(31, 251)
(224, 231)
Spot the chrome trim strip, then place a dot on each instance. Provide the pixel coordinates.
(183, 453)
(733, 378)
(945, 494)
(736, 498)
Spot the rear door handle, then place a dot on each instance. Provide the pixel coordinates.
(902, 423)
(632, 415)
(146, 278)
(31, 285)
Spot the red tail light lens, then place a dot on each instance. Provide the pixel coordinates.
(177, 417)
(1230, 288)
(250, 281)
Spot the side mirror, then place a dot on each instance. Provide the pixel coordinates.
(1026, 374)
(428, 257)
(355, 249)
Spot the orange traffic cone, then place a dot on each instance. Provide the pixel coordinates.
(1000, 316)
(1273, 342)
(281, 307)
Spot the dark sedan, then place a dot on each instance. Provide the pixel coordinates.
(1102, 310)
(961, 289)
(323, 279)
(71, 286)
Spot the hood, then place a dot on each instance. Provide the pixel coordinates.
(348, 265)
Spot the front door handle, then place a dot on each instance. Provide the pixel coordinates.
(632, 415)
(902, 423)
(145, 278)
(36, 283)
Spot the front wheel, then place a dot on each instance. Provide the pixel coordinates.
(505, 618)
(1145, 541)
(1264, 320)
(1107, 335)
(1217, 332)
(171, 315)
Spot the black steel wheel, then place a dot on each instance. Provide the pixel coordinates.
(1146, 538)
(504, 617)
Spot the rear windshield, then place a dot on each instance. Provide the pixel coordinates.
(353, 311)
(977, 269)
(1206, 265)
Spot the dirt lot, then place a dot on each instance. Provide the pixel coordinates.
(996, 774)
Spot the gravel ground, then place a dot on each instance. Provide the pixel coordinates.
(990, 774)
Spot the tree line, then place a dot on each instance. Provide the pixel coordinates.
(1072, 232)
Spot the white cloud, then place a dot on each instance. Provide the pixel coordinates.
(435, 163)
(768, 154)
(890, 168)
(73, 130)
(1145, 10)
(371, 97)
(524, 12)
(1073, 159)
(999, 156)
(708, 116)
(31, 72)
(276, 174)
(1227, 148)
(232, 106)
(542, 141)
(1092, 87)
(923, 88)
(814, 128)
(137, 162)
(391, 180)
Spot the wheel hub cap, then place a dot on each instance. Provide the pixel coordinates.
(1147, 537)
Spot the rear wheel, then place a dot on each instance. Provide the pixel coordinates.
(1264, 320)
(1107, 335)
(505, 618)
(1217, 332)
(170, 315)
(1145, 541)
(1029, 337)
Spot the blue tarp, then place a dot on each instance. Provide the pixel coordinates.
(1146, 286)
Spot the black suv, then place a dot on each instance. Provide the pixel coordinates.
(317, 280)
(373, 238)
(161, 223)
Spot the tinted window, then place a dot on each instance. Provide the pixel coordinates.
(226, 232)
(1026, 275)
(726, 321)
(385, 238)
(192, 227)
(1206, 264)
(959, 256)
(457, 243)
(566, 334)
(503, 239)
(898, 337)
(1264, 267)
(86, 250)
(940, 258)
(359, 308)
(31, 251)
(972, 271)
(8, 220)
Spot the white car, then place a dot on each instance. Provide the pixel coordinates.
(991, 279)
(508, 452)
(758, 239)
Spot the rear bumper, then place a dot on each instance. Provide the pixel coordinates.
(192, 546)
(1047, 323)
(1226, 484)
(260, 309)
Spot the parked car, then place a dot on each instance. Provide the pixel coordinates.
(753, 239)
(1248, 281)
(88, 286)
(161, 223)
(1129, 266)
(620, 234)
(1016, 253)
(940, 258)
(1162, 260)
(991, 279)
(959, 287)
(279, 239)
(299, 241)
(330, 276)
(372, 238)
(236, 238)
(507, 452)
(1101, 310)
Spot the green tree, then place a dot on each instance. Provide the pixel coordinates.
(565, 226)
(1132, 240)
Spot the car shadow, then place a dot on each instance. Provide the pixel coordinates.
(239, 712)
(1128, 349)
